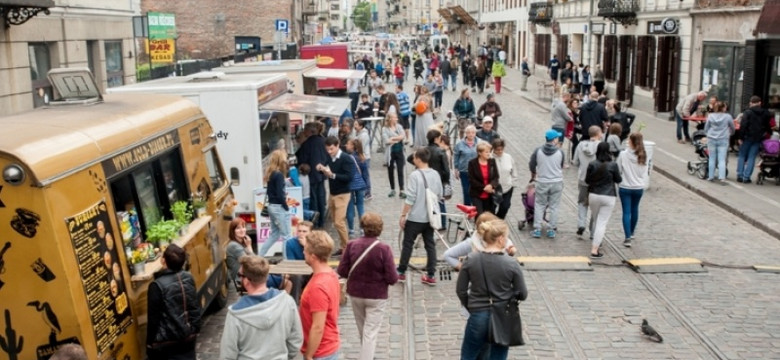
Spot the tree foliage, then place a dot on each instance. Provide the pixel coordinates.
(361, 15)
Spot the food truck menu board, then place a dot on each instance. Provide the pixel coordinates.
(94, 244)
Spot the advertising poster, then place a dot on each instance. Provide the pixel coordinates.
(94, 244)
(294, 202)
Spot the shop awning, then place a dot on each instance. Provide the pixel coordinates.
(768, 21)
(445, 13)
(462, 15)
(308, 105)
(322, 73)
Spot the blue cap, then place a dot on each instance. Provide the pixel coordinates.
(551, 134)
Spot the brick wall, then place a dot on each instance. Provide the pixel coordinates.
(207, 28)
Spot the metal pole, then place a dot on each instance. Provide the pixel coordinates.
(590, 36)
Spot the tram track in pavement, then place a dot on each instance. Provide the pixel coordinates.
(570, 200)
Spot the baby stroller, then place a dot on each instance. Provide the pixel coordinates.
(769, 166)
(528, 204)
(701, 166)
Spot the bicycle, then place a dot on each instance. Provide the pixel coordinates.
(457, 127)
(462, 223)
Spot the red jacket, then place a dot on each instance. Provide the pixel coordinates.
(398, 72)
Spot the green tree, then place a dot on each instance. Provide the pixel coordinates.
(361, 15)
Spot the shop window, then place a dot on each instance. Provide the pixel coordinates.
(645, 64)
(144, 195)
(114, 70)
(722, 67)
(215, 170)
(40, 64)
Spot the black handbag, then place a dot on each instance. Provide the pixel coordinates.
(506, 328)
(498, 195)
(264, 211)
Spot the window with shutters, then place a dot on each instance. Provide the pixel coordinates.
(645, 62)
(542, 49)
(610, 57)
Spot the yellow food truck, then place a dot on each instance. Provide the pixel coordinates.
(86, 181)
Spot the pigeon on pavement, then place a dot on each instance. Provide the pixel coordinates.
(650, 332)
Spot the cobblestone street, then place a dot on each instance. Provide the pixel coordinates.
(729, 311)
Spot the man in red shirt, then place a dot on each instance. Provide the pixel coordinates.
(320, 301)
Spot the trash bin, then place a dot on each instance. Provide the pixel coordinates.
(649, 147)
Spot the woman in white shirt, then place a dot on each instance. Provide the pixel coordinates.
(632, 163)
(507, 176)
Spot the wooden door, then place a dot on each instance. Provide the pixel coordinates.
(667, 70)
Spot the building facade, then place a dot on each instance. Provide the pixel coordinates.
(64, 33)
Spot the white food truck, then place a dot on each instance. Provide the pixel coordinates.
(252, 115)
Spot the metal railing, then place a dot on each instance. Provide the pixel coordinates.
(540, 12)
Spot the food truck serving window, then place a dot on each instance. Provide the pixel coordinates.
(144, 195)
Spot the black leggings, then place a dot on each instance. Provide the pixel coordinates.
(484, 205)
(396, 162)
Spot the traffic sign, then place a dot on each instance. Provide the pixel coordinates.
(282, 25)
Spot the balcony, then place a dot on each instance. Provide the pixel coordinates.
(540, 13)
(619, 11)
(17, 12)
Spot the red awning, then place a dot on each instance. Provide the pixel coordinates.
(768, 21)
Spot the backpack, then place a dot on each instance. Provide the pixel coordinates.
(481, 70)
(431, 205)
(453, 65)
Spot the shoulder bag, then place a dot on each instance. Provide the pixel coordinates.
(431, 205)
(505, 324)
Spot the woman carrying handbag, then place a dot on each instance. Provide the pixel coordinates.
(490, 285)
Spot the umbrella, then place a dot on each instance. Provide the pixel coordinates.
(327, 40)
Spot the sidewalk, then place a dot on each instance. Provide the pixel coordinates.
(759, 205)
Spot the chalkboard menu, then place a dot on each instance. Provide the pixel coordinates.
(96, 254)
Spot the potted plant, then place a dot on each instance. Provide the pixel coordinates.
(138, 259)
(162, 232)
(199, 206)
(182, 214)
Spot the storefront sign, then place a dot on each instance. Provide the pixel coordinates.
(101, 274)
(665, 26)
(598, 28)
(161, 25)
(161, 50)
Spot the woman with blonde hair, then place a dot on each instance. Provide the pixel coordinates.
(279, 213)
(474, 243)
(486, 277)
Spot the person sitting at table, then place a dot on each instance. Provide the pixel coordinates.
(365, 108)
(293, 250)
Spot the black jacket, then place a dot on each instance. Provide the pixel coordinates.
(438, 162)
(312, 152)
(755, 124)
(476, 182)
(343, 168)
(602, 178)
(625, 120)
(592, 113)
(169, 320)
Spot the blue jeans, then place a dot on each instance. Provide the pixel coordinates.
(307, 214)
(280, 227)
(475, 339)
(746, 160)
(355, 200)
(629, 199)
(437, 96)
(454, 79)
(446, 79)
(334, 356)
(443, 209)
(353, 97)
(399, 81)
(562, 132)
(719, 149)
(464, 184)
(682, 127)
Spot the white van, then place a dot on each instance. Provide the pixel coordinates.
(239, 108)
(443, 41)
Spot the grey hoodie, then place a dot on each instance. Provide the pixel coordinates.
(560, 114)
(719, 126)
(262, 327)
(583, 155)
(547, 163)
